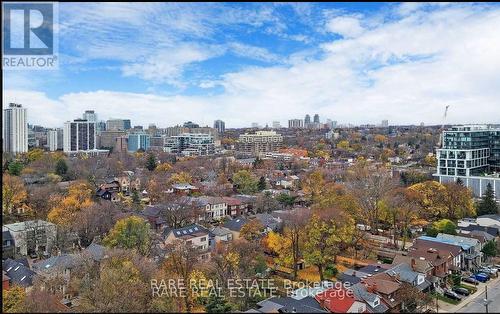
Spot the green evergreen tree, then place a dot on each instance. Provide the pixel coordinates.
(15, 168)
(151, 162)
(262, 184)
(217, 304)
(61, 167)
(490, 249)
(487, 204)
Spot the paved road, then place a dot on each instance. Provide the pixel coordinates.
(477, 306)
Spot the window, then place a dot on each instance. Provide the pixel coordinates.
(189, 242)
(203, 239)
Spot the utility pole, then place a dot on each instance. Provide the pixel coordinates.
(486, 301)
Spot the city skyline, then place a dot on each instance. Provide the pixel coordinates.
(352, 63)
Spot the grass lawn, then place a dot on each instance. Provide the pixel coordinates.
(445, 299)
(471, 289)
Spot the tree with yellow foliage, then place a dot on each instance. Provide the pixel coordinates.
(163, 167)
(13, 300)
(313, 184)
(79, 196)
(343, 145)
(180, 177)
(130, 233)
(13, 193)
(431, 198)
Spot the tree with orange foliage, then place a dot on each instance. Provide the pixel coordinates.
(64, 212)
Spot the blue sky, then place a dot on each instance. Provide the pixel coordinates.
(166, 63)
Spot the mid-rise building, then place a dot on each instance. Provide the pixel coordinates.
(295, 124)
(276, 125)
(190, 144)
(220, 126)
(79, 136)
(138, 140)
(15, 129)
(107, 139)
(191, 125)
(260, 142)
(385, 123)
(471, 153)
(55, 139)
(121, 144)
(118, 124)
(32, 237)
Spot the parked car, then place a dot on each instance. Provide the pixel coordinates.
(471, 280)
(489, 271)
(482, 277)
(452, 295)
(461, 291)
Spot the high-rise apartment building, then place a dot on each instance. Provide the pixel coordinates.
(316, 118)
(90, 116)
(220, 126)
(55, 139)
(307, 120)
(385, 123)
(15, 129)
(276, 125)
(138, 140)
(471, 153)
(190, 144)
(295, 124)
(260, 142)
(79, 136)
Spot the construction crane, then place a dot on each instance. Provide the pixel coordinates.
(440, 141)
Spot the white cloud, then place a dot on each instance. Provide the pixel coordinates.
(346, 26)
(167, 65)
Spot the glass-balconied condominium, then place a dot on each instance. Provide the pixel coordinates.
(472, 153)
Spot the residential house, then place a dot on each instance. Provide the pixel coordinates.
(192, 235)
(8, 247)
(372, 300)
(471, 247)
(58, 267)
(270, 222)
(458, 261)
(16, 273)
(235, 225)
(128, 182)
(221, 234)
(340, 300)
(441, 262)
(183, 188)
(31, 237)
(288, 305)
(385, 286)
(153, 214)
(214, 208)
(235, 207)
(404, 272)
(109, 190)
